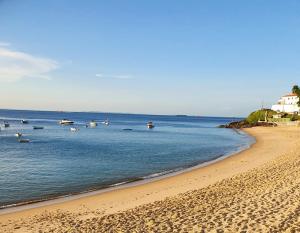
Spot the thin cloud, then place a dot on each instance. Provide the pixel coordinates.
(4, 44)
(15, 65)
(121, 76)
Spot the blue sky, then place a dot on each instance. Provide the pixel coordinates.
(217, 58)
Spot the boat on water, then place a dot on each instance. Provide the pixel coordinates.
(127, 129)
(150, 125)
(24, 121)
(106, 122)
(66, 122)
(18, 135)
(24, 140)
(6, 125)
(73, 129)
(38, 127)
(93, 124)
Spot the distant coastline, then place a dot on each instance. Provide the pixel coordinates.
(125, 113)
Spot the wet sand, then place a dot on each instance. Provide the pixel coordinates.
(257, 190)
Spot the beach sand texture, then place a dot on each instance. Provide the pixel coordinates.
(257, 190)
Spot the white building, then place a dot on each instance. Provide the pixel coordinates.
(288, 104)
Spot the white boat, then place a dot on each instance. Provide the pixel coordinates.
(106, 122)
(24, 121)
(93, 124)
(18, 135)
(73, 129)
(24, 140)
(150, 125)
(66, 122)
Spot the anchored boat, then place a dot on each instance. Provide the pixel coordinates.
(106, 122)
(127, 129)
(66, 122)
(24, 121)
(18, 135)
(24, 140)
(150, 125)
(93, 124)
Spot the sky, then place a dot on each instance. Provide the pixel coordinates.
(207, 58)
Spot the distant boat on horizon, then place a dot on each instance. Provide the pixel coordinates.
(24, 121)
(66, 122)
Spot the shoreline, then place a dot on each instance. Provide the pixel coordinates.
(43, 202)
(254, 190)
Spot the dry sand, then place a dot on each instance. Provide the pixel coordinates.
(257, 190)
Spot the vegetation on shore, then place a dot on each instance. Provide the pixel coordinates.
(257, 118)
(296, 90)
(260, 117)
(245, 124)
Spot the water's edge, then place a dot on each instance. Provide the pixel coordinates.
(126, 184)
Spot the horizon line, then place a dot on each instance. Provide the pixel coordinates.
(129, 113)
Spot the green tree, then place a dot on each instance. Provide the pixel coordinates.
(296, 90)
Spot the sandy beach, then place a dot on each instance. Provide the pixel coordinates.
(257, 190)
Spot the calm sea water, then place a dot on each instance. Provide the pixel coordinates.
(60, 162)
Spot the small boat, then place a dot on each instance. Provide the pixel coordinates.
(106, 122)
(6, 125)
(73, 129)
(128, 129)
(66, 122)
(24, 140)
(150, 125)
(93, 124)
(18, 135)
(38, 127)
(24, 121)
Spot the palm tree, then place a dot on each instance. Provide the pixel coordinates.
(296, 90)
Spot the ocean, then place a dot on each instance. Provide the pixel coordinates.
(59, 162)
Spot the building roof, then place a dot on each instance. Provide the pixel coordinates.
(290, 95)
